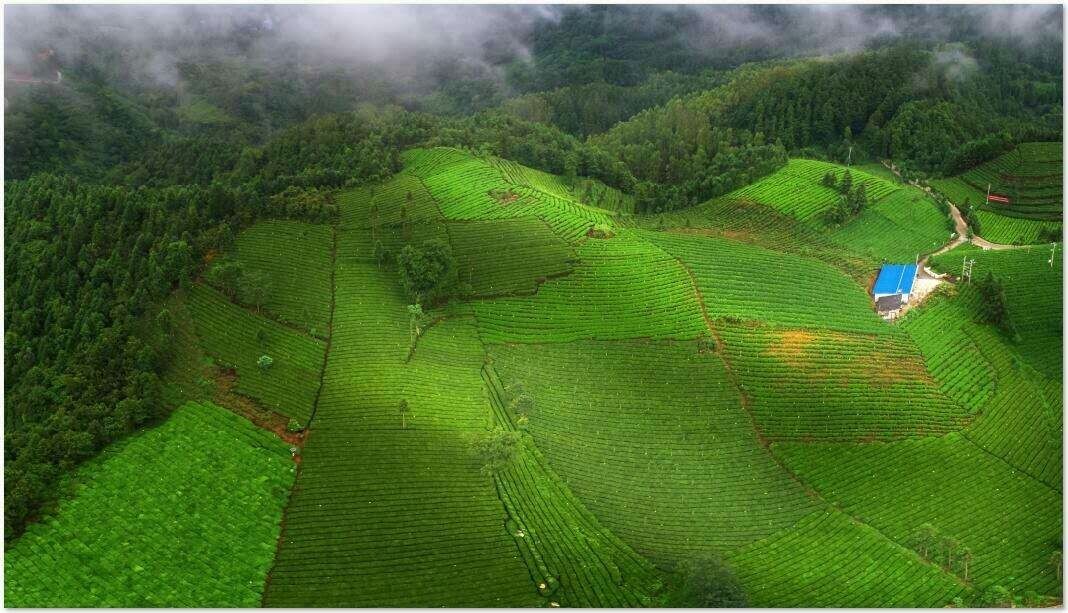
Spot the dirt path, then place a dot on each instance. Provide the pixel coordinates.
(959, 223)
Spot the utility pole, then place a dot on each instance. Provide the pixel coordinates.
(849, 157)
(966, 269)
(1052, 252)
(987, 194)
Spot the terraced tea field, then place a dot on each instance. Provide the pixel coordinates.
(951, 483)
(624, 288)
(806, 384)
(1031, 176)
(830, 560)
(796, 188)
(508, 256)
(743, 282)
(290, 265)
(901, 226)
(200, 532)
(1033, 296)
(586, 414)
(641, 430)
(237, 338)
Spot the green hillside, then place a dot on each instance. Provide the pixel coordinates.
(183, 515)
(1033, 280)
(661, 388)
(796, 189)
(1031, 176)
(522, 306)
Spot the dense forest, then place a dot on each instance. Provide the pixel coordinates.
(118, 184)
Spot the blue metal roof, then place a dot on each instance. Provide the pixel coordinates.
(894, 279)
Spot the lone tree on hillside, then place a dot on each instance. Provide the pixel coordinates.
(829, 180)
(265, 362)
(709, 582)
(382, 254)
(859, 198)
(964, 554)
(256, 288)
(846, 185)
(405, 412)
(1057, 562)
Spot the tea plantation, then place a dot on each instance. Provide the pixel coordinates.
(183, 515)
(1030, 176)
(585, 402)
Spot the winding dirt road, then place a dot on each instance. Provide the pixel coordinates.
(959, 222)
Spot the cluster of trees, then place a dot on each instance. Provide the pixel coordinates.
(312, 204)
(427, 271)
(854, 198)
(708, 582)
(992, 309)
(969, 212)
(252, 288)
(591, 108)
(86, 268)
(680, 156)
(975, 152)
(942, 550)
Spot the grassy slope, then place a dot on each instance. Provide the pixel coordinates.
(600, 403)
(805, 383)
(183, 515)
(796, 188)
(902, 225)
(410, 508)
(624, 288)
(831, 560)
(576, 560)
(745, 282)
(508, 256)
(1020, 410)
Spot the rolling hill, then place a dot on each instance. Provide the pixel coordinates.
(1031, 176)
(665, 387)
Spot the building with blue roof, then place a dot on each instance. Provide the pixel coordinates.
(893, 286)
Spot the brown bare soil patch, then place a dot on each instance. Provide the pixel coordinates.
(225, 396)
(504, 197)
(792, 347)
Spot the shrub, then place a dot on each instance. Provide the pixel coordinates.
(708, 582)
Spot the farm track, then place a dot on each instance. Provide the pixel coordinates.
(958, 221)
(307, 427)
(329, 326)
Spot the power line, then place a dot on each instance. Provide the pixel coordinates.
(966, 269)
